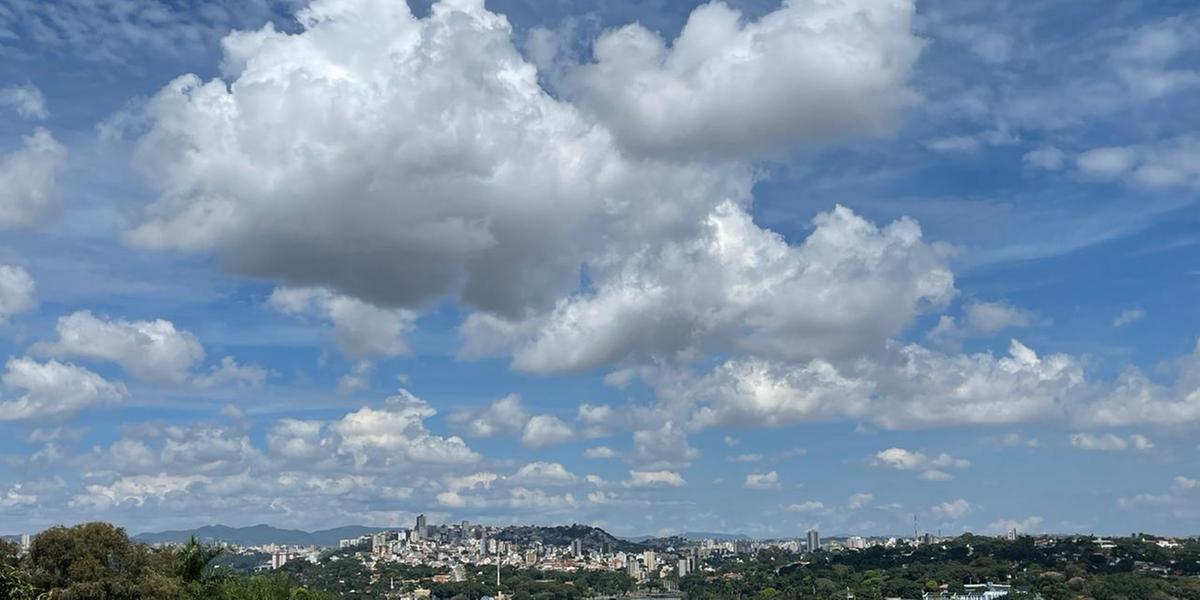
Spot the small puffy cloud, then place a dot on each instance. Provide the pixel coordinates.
(15, 496)
(598, 420)
(1026, 525)
(806, 507)
(981, 318)
(136, 490)
(53, 390)
(745, 458)
(506, 416)
(1135, 399)
(753, 392)
(396, 434)
(453, 497)
(599, 452)
(204, 448)
(898, 458)
(1140, 442)
(991, 317)
(1106, 162)
(1147, 60)
(952, 510)
(26, 100)
(543, 473)
(935, 475)
(359, 329)
(932, 468)
(1048, 157)
(149, 350)
(482, 479)
(654, 479)
(1166, 163)
(1128, 316)
(859, 500)
(28, 180)
(1110, 442)
(601, 497)
(727, 86)
(1178, 501)
(295, 439)
(357, 378)
(17, 292)
(229, 371)
(762, 481)
(663, 447)
(545, 430)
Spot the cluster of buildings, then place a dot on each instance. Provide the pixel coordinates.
(453, 546)
(812, 542)
(972, 591)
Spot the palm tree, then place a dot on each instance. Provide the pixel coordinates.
(194, 559)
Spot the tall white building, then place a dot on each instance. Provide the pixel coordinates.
(280, 558)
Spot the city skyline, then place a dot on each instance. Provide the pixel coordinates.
(859, 267)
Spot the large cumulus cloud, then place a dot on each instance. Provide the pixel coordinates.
(843, 291)
(812, 70)
(398, 160)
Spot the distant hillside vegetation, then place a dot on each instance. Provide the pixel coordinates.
(563, 535)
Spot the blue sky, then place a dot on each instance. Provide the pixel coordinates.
(656, 266)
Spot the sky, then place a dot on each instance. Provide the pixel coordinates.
(653, 266)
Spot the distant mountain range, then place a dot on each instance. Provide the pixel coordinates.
(258, 535)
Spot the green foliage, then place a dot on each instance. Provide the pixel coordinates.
(260, 587)
(194, 560)
(14, 585)
(97, 561)
(1051, 569)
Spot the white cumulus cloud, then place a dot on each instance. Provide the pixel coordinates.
(730, 86)
(359, 328)
(17, 292)
(53, 390)
(149, 350)
(29, 180)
